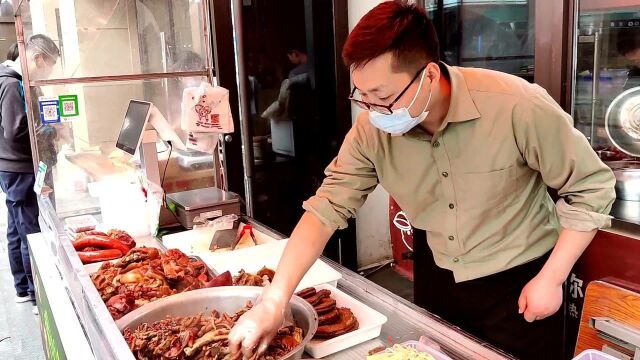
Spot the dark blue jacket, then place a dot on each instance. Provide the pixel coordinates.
(15, 146)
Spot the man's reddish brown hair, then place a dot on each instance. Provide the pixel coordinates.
(393, 26)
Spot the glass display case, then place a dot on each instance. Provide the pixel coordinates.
(606, 72)
(497, 34)
(111, 52)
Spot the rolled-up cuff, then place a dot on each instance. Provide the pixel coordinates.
(579, 219)
(323, 209)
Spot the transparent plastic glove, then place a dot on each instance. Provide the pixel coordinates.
(256, 328)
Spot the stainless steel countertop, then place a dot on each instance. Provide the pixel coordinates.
(407, 321)
(627, 212)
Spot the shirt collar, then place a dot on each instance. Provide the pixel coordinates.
(462, 108)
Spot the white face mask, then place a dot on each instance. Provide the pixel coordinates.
(400, 121)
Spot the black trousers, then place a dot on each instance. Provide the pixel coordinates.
(22, 210)
(487, 307)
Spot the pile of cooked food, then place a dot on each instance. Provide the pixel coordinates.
(264, 277)
(200, 337)
(94, 246)
(145, 274)
(333, 321)
(399, 352)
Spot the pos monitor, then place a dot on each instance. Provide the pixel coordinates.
(135, 122)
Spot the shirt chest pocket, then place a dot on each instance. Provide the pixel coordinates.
(477, 191)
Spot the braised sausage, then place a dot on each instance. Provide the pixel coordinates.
(99, 241)
(88, 257)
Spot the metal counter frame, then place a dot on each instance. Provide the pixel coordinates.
(84, 310)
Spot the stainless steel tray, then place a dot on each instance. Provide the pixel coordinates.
(627, 184)
(223, 299)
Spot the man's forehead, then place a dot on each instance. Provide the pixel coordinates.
(375, 80)
(368, 87)
(370, 77)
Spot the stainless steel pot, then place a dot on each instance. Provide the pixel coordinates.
(228, 299)
(622, 121)
(628, 184)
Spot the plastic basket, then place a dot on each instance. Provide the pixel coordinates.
(594, 355)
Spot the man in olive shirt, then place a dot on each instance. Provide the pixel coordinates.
(468, 155)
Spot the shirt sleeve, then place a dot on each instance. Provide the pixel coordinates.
(350, 178)
(551, 145)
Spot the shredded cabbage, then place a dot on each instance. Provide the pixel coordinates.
(399, 352)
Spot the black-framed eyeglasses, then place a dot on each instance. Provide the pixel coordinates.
(383, 109)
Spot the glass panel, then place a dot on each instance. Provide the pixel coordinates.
(82, 151)
(496, 34)
(607, 50)
(112, 37)
(292, 78)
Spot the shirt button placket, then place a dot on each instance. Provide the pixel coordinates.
(442, 161)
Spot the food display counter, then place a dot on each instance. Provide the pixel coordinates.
(76, 322)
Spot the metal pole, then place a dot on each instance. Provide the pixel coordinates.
(129, 77)
(31, 120)
(574, 56)
(245, 126)
(595, 83)
(219, 172)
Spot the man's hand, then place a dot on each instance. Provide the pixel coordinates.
(255, 329)
(541, 297)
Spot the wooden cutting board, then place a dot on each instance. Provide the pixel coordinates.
(197, 241)
(604, 299)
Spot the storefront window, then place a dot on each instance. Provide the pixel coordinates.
(110, 53)
(99, 38)
(607, 64)
(497, 35)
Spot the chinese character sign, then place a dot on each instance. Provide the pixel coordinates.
(573, 310)
(575, 287)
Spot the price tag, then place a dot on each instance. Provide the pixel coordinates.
(211, 214)
(42, 171)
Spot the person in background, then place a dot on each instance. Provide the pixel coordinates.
(628, 45)
(17, 176)
(13, 53)
(468, 154)
(298, 57)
